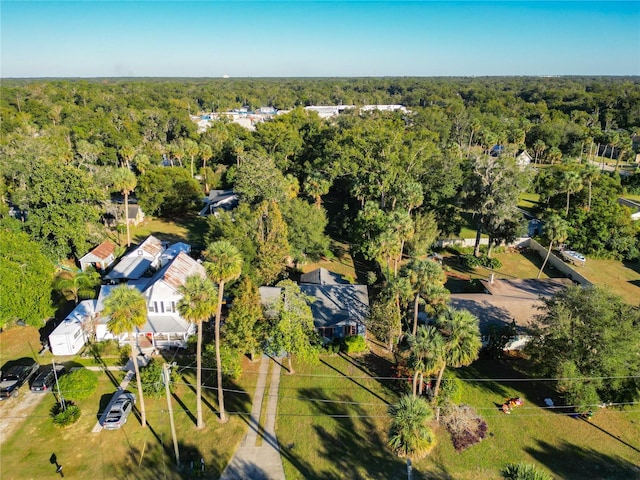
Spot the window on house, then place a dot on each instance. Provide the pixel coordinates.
(327, 332)
(349, 330)
(173, 307)
(155, 307)
(162, 306)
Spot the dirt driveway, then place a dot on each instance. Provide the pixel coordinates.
(14, 411)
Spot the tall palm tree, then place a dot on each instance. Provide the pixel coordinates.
(422, 274)
(410, 435)
(223, 264)
(127, 308)
(589, 174)
(198, 304)
(462, 341)
(427, 353)
(77, 286)
(572, 183)
(124, 180)
(556, 230)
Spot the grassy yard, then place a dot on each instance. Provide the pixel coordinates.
(341, 263)
(514, 265)
(529, 201)
(189, 230)
(332, 421)
(132, 452)
(622, 277)
(332, 424)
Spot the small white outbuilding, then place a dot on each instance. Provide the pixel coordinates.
(69, 337)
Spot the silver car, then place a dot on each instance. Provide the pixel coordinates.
(120, 408)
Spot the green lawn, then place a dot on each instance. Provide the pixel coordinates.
(332, 424)
(529, 201)
(341, 263)
(514, 265)
(190, 230)
(622, 277)
(132, 452)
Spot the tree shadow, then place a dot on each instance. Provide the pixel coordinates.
(346, 435)
(246, 470)
(482, 371)
(159, 462)
(360, 385)
(196, 229)
(610, 434)
(571, 461)
(376, 366)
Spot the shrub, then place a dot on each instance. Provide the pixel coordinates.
(125, 354)
(450, 391)
(524, 471)
(66, 417)
(492, 263)
(465, 426)
(471, 261)
(231, 359)
(334, 346)
(372, 278)
(151, 378)
(78, 384)
(105, 348)
(354, 344)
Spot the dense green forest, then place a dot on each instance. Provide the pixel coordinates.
(388, 183)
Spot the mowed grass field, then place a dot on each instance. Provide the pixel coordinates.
(132, 451)
(333, 424)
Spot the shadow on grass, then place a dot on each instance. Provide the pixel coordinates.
(373, 364)
(350, 440)
(355, 382)
(482, 372)
(611, 435)
(571, 461)
(159, 462)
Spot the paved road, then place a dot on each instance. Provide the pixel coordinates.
(261, 462)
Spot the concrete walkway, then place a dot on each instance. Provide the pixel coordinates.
(260, 462)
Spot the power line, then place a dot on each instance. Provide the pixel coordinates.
(368, 377)
(497, 415)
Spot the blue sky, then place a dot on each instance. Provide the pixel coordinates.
(304, 38)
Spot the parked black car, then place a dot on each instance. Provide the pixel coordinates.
(15, 376)
(44, 381)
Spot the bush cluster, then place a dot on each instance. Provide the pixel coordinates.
(524, 471)
(465, 426)
(66, 417)
(78, 384)
(151, 378)
(471, 261)
(350, 344)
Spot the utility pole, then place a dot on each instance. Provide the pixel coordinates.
(166, 377)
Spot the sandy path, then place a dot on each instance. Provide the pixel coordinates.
(14, 411)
